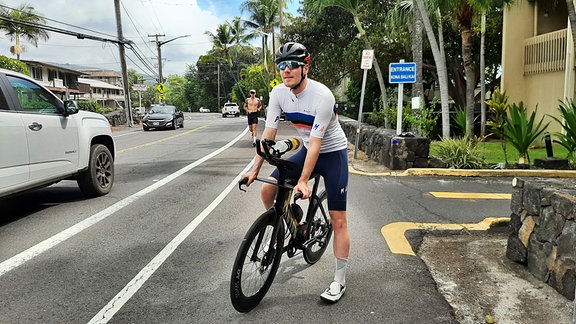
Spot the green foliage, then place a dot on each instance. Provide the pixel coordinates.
(459, 153)
(498, 105)
(421, 122)
(14, 65)
(521, 130)
(492, 152)
(93, 107)
(459, 120)
(424, 120)
(568, 138)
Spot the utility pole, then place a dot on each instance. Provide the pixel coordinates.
(158, 45)
(127, 104)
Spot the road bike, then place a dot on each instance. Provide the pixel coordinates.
(278, 230)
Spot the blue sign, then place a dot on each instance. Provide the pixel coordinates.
(402, 72)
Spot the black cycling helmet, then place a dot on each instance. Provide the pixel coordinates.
(292, 52)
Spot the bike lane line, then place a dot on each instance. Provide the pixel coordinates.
(116, 303)
(62, 236)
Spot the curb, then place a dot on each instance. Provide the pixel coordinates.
(467, 173)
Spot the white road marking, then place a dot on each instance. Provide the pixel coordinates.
(114, 305)
(51, 242)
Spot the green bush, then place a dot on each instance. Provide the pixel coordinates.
(93, 107)
(14, 65)
(459, 153)
(521, 130)
(423, 122)
(499, 107)
(568, 123)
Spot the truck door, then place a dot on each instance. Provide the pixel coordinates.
(52, 137)
(14, 158)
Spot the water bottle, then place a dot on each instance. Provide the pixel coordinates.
(286, 145)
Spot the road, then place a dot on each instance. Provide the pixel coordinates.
(159, 248)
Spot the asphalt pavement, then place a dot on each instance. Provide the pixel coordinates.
(470, 267)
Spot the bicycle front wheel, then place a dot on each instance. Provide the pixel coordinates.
(256, 262)
(319, 230)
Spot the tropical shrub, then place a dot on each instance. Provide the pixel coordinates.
(459, 153)
(498, 105)
(93, 107)
(459, 120)
(13, 65)
(568, 138)
(521, 130)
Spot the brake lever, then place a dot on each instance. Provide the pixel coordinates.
(242, 181)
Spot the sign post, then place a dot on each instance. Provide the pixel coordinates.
(139, 88)
(366, 64)
(400, 73)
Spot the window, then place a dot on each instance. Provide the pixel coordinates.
(33, 98)
(36, 72)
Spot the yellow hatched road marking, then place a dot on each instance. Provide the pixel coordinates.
(394, 233)
(470, 195)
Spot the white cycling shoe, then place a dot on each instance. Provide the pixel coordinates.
(333, 293)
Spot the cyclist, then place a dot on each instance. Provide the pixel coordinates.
(310, 106)
(252, 106)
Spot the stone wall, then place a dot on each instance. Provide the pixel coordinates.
(385, 147)
(543, 231)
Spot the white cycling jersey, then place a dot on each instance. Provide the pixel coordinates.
(312, 112)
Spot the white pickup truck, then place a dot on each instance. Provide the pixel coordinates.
(44, 140)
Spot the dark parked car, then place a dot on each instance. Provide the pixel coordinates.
(163, 117)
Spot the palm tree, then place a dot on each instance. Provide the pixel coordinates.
(407, 14)
(351, 6)
(264, 17)
(10, 22)
(440, 60)
(222, 42)
(465, 11)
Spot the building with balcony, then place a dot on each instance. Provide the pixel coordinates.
(107, 95)
(80, 83)
(538, 56)
(60, 80)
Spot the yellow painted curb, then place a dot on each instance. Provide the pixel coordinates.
(394, 233)
(492, 173)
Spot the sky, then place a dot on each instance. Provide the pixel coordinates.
(140, 18)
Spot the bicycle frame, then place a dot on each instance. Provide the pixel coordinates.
(284, 195)
(261, 250)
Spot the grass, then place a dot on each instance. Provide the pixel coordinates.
(493, 153)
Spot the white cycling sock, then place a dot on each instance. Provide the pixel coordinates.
(340, 275)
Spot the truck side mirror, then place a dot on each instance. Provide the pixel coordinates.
(70, 107)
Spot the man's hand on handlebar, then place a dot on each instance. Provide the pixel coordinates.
(250, 176)
(302, 187)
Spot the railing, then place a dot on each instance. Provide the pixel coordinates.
(545, 53)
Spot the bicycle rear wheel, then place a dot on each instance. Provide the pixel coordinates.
(319, 230)
(256, 262)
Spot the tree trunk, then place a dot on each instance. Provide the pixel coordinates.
(470, 77)
(483, 77)
(572, 18)
(440, 67)
(418, 86)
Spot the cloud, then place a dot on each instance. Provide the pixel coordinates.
(140, 18)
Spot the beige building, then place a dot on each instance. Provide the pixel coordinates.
(538, 56)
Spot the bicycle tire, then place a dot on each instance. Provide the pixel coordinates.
(319, 228)
(251, 279)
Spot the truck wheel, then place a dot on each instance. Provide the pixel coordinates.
(98, 179)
